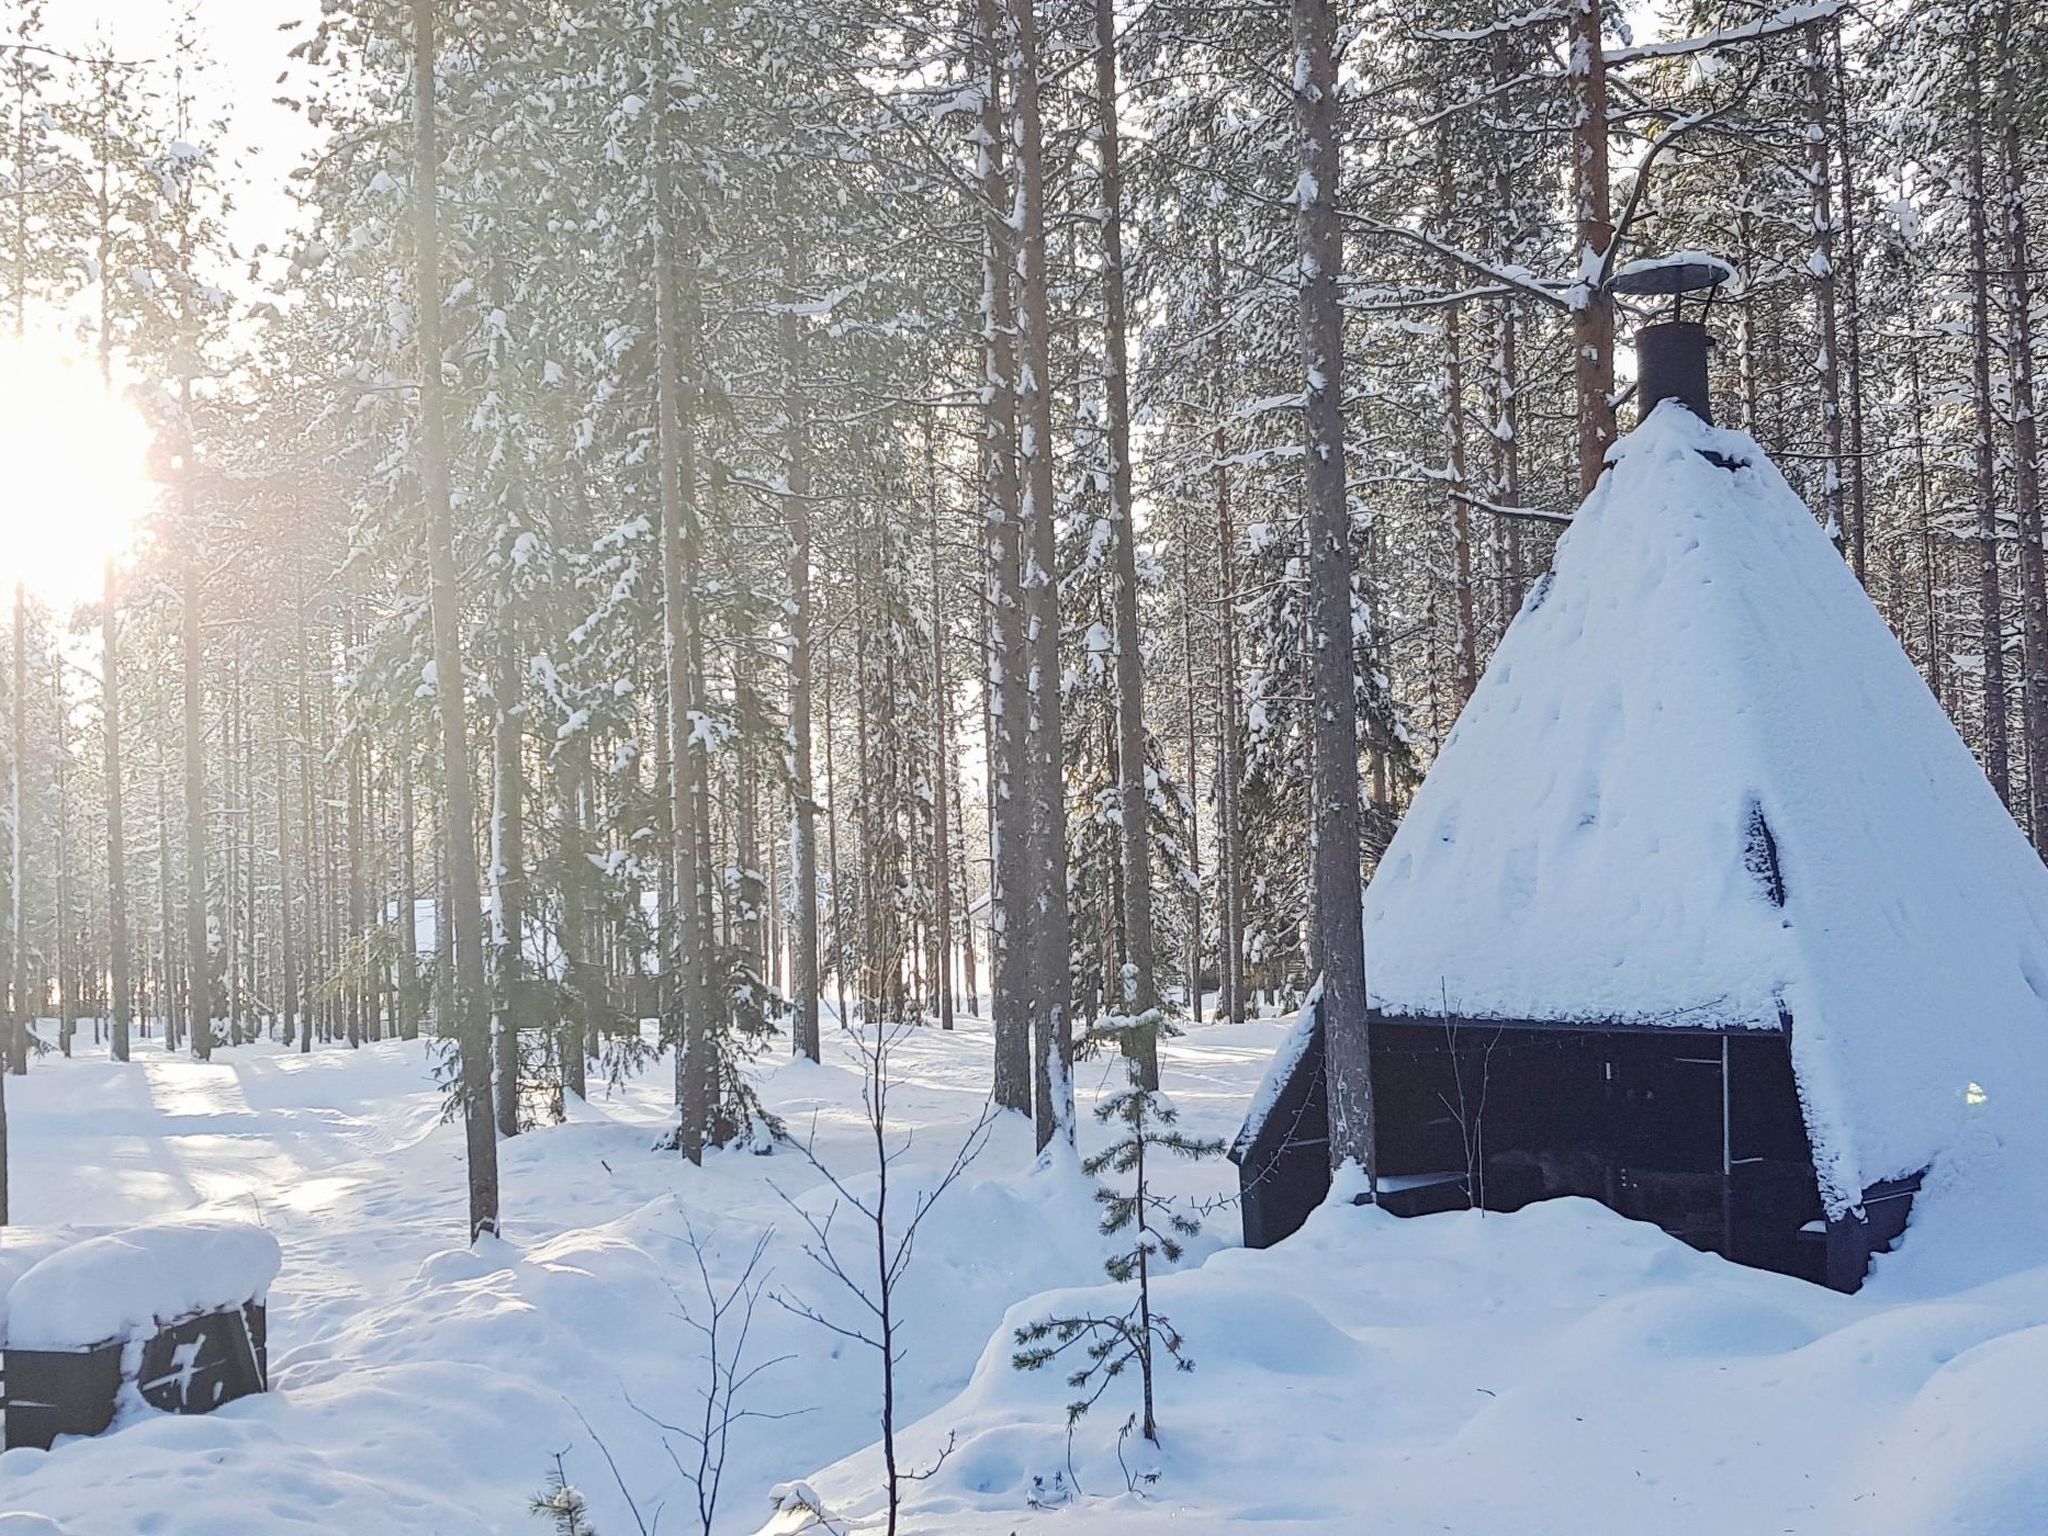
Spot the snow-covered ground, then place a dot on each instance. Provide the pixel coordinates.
(1556, 1371)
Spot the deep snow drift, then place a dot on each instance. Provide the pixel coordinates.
(1556, 1371)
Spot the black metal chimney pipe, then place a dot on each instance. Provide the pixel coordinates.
(1671, 364)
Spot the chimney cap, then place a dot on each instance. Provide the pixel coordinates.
(1680, 272)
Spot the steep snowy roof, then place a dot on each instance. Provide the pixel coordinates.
(1702, 786)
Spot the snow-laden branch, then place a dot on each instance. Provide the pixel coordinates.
(1520, 279)
(1791, 19)
(1542, 16)
(1531, 514)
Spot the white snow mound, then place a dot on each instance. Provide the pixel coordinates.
(128, 1281)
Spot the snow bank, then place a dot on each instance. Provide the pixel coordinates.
(1701, 664)
(1560, 1370)
(128, 1281)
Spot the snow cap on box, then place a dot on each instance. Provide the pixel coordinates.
(129, 1281)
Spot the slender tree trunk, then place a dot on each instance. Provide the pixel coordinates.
(1592, 316)
(233, 938)
(942, 757)
(1194, 758)
(1505, 432)
(67, 990)
(694, 1068)
(117, 872)
(1820, 265)
(174, 1018)
(1049, 934)
(408, 895)
(832, 860)
(22, 1011)
(805, 1035)
(309, 795)
(508, 870)
(1991, 618)
(1454, 434)
(293, 1023)
(1140, 990)
(1009, 817)
(357, 987)
(2026, 453)
(251, 1005)
(579, 967)
(1333, 691)
(198, 963)
(465, 914)
(1852, 328)
(962, 895)
(1229, 703)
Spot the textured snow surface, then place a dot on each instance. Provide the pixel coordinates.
(1584, 846)
(128, 1281)
(1556, 1373)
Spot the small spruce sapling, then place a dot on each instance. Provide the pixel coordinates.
(561, 1503)
(1145, 1126)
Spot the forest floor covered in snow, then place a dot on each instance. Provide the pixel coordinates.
(1559, 1371)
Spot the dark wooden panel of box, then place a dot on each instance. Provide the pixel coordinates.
(190, 1366)
(54, 1392)
(195, 1365)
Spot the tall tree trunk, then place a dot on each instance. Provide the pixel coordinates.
(198, 964)
(1852, 328)
(465, 903)
(1820, 265)
(309, 798)
(21, 1013)
(1592, 316)
(508, 869)
(1454, 434)
(1505, 430)
(357, 986)
(1229, 705)
(1140, 991)
(1194, 759)
(408, 894)
(232, 939)
(805, 1034)
(1333, 691)
(174, 1017)
(117, 870)
(694, 1068)
(832, 861)
(1009, 814)
(251, 1007)
(942, 757)
(2026, 454)
(67, 993)
(292, 1022)
(1049, 933)
(579, 965)
(1990, 608)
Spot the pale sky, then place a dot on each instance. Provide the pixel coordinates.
(249, 54)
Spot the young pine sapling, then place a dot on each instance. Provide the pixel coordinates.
(1146, 1126)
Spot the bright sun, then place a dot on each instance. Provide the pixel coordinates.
(73, 470)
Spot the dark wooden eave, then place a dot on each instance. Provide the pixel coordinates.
(1701, 1022)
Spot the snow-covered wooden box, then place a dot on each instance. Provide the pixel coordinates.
(169, 1316)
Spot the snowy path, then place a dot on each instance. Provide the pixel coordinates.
(424, 1387)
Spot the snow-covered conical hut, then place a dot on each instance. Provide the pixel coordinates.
(1704, 910)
